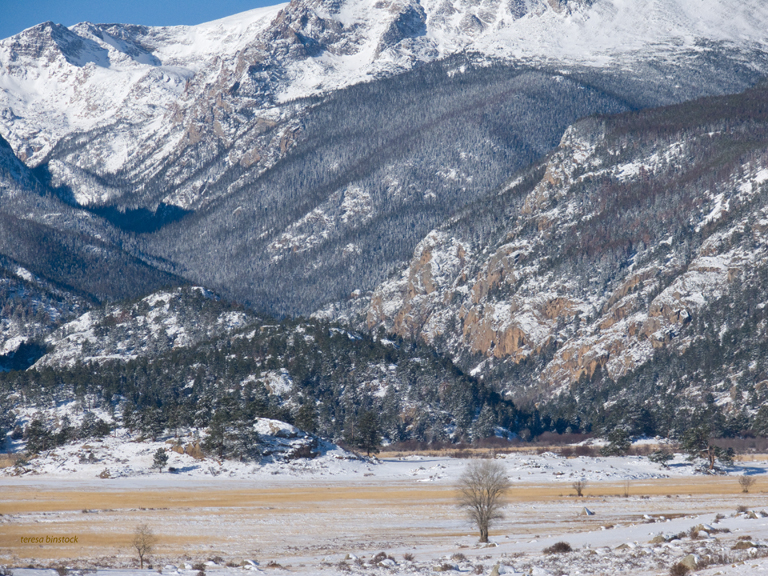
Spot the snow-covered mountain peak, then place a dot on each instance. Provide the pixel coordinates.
(56, 80)
(147, 95)
(45, 41)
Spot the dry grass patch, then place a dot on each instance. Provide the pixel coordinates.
(307, 521)
(193, 521)
(23, 500)
(8, 460)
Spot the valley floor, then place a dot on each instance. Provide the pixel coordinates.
(335, 518)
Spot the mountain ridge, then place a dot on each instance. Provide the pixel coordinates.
(610, 259)
(324, 145)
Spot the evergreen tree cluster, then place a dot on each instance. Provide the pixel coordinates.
(339, 385)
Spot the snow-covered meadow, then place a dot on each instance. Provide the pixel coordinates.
(333, 514)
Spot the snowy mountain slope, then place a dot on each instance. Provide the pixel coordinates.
(167, 84)
(624, 242)
(375, 168)
(231, 120)
(145, 328)
(67, 246)
(184, 359)
(55, 262)
(55, 78)
(31, 309)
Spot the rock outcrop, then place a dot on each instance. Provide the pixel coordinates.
(608, 252)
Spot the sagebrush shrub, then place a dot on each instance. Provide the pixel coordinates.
(558, 548)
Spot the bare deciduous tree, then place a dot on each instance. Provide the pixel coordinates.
(579, 486)
(482, 486)
(746, 482)
(143, 540)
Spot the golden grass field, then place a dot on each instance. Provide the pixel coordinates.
(297, 524)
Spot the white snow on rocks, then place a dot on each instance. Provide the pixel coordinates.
(156, 323)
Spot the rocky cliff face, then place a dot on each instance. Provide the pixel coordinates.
(603, 254)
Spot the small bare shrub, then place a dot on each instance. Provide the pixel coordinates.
(62, 571)
(558, 548)
(479, 569)
(580, 486)
(741, 509)
(717, 560)
(200, 567)
(583, 450)
(745, 537)
(746, 482)
(459, 557)
(143, 541)
(408, 557)
(679, 569)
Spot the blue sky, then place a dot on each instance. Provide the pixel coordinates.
(16, 15)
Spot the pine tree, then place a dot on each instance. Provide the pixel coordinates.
(368, 432)
(245, 441)
(160, 459)
(484, 425)
(306, 417)
(39, 438)
(215, 442)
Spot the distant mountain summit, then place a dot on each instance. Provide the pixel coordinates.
(324, 139)
(52, 78)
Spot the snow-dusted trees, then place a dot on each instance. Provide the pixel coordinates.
(481, 490)
(369, 434)
(619, 442)
(331, 377)
(698, 443)
(231, 438)
(159, 459)
(38, 437)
